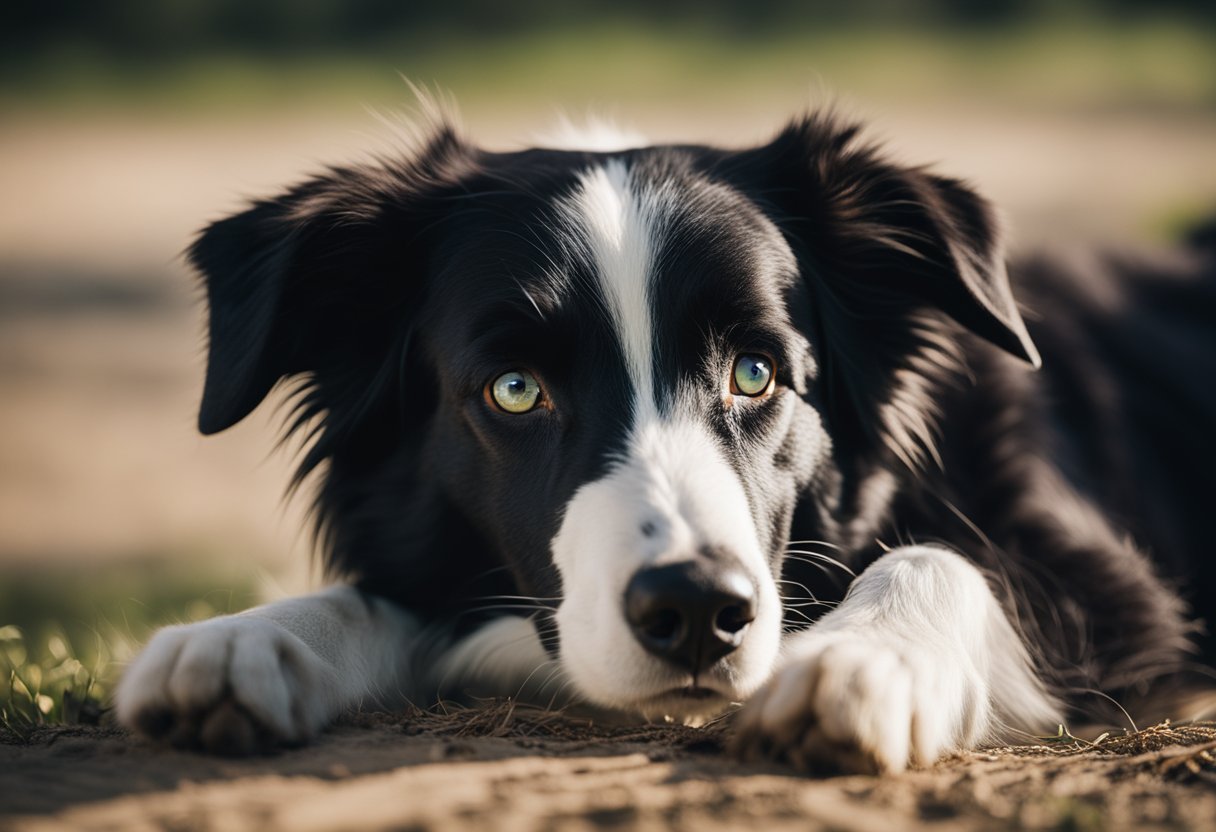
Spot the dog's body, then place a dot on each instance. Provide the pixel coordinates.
(614, 426)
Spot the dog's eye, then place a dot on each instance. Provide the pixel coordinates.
(752, 376)
(515, 392)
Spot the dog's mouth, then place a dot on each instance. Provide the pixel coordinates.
(688, 701)
(693, 693)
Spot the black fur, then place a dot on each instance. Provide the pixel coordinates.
(393, 291)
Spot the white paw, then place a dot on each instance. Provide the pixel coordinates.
(232, 685)
(852, 703)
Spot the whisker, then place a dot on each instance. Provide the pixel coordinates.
(528, 678)
(821, 567)
(801, 586)
(821, 558)
(558, 693)
(491, 571)
(831, 605)
(537, 598)
(803, 616)
(488, 607)
(816, 543)
(554, 674)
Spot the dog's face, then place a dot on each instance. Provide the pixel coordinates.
(617, 376)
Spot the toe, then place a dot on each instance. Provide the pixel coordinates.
(229, 730)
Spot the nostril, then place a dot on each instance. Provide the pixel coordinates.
(663, 625)
(732, 619)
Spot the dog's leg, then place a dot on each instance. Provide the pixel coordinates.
(918, 660)
(269, 676)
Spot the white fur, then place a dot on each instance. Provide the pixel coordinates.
(676, 480)
(917, 661)
(617, 225)
(503, 658)
(293, 665)
(594, 134)
(673, 479)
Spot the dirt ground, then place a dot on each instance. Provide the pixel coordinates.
(507, 768)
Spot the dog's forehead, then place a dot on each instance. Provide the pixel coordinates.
(568, 230)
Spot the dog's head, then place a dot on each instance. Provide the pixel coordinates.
(618, 378)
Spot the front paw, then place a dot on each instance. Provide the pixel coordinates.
(234, 685)
(853, 705)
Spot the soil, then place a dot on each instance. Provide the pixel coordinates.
(504, 768)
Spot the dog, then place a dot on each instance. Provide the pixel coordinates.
(666, 429)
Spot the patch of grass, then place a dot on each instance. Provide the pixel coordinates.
(65, 636)
(1064, 64)
(44, 684)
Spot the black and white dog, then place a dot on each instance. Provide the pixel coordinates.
(616, 425)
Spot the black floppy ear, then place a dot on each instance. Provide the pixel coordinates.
(267, 271)
(318, 280)
(246, 262)
(970, 283)
(898, 236)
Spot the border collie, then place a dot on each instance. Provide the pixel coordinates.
(663, 429)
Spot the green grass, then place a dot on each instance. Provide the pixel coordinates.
(65, 636)
(1067, 64)
(44, 685)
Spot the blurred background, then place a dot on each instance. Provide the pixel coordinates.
(126, 125)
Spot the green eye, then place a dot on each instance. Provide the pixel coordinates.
(515, 392)
(752, 376)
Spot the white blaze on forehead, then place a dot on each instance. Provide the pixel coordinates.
(618, 221)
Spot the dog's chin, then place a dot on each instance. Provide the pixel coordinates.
(666, 696)
(686, 703)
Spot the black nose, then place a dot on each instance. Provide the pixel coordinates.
(690, 613)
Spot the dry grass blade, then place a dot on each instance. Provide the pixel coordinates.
(1186, 751)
